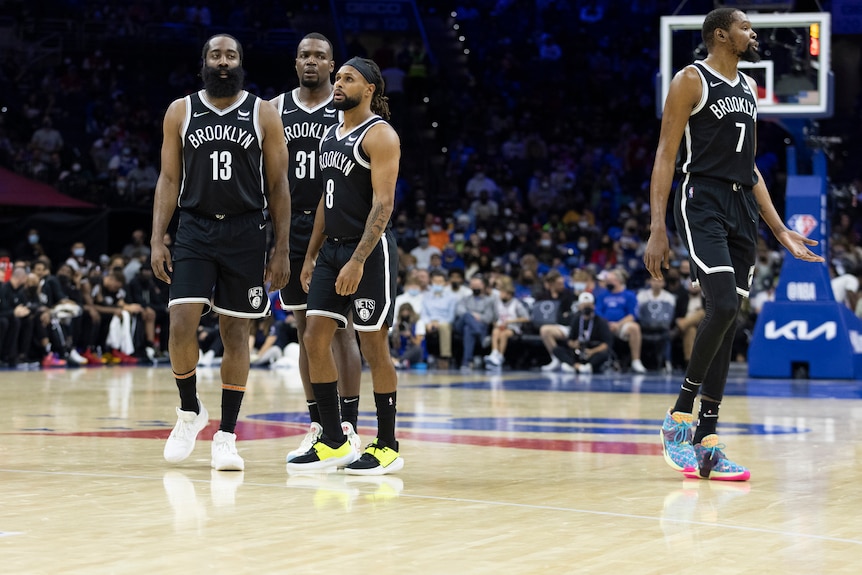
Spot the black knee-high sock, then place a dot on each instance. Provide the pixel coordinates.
(231, 401)
(350, 410)
(687, 393)
(313, 412)
(385, 403)
(707, 419)
(187, 384)
(326, 395)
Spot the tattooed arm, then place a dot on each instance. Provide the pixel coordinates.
(383, 146)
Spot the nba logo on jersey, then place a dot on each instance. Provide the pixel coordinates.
(802, 223)
(691, 192)
(364, 308)
(255, 296)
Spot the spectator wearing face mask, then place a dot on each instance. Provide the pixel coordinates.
(456, 283)
(438, 235)
(473, 318)
(423, 251)
(412, 294)
(619, 308)
(30, 249)
(588, 345)
(437, 316)
(78, 259)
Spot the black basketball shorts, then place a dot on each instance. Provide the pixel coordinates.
(373, 302)
(292, 295)
(717, 222)
(221, 263)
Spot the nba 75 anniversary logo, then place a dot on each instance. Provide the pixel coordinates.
(255, 296)
(364, 308)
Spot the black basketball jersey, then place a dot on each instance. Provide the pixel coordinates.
(346, 173)
(223, 170)
(303, 129)
(719, 137)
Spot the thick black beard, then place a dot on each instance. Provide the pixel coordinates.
(218, 87)
(750, 55)
(347, 103)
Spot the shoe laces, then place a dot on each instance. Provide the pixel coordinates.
(715, 451)
(681, 431)
(225, 446)
(183, 430)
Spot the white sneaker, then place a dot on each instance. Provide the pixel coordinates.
(315, 430)
(224, 455)
(181, 442)
(553, 366)
(585, 368)
(567, 368)
(495, 358)
(637, 366)
(77, 357)
(353, 438)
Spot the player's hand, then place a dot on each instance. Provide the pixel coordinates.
(305, 274)
(797, 244)
(657, 255)
(278, 271)
(348, 278)
(160, 258)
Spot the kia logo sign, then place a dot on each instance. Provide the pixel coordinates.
(797, 330)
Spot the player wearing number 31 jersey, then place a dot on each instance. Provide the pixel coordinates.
(306, 113)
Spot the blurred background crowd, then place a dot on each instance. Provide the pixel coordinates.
(528, 129)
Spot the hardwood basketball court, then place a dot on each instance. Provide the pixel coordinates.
(509, 473)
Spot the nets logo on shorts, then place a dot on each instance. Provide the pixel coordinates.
(364, 308)
(802, 223)
(255, 296)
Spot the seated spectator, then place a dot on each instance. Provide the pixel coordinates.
(656, 308)
(18, 305)
(152, 295)
(437, 316)
(511, 314)
(588, 345)
(423, 251)
(412, 294)
(556, 291)
(406, 340)
(78, 260)
(845, 286)
(619, 308)
(456, 283)
(109, 301)
(473, 318)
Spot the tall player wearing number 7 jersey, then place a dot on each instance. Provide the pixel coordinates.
(710, 117)
(306, 112)
(224, 165)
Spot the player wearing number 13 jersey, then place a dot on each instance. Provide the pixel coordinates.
(223, 162)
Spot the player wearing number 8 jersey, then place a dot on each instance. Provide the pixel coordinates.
(353, 258)
(710, 118)
(306, 113)
(223, 164)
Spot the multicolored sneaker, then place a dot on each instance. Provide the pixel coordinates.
(378, 459)
(321, 456)
(676, 435)
(713, 464)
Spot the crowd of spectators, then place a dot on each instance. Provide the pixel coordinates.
(544, 194)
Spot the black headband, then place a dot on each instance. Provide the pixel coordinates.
(363, 68)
